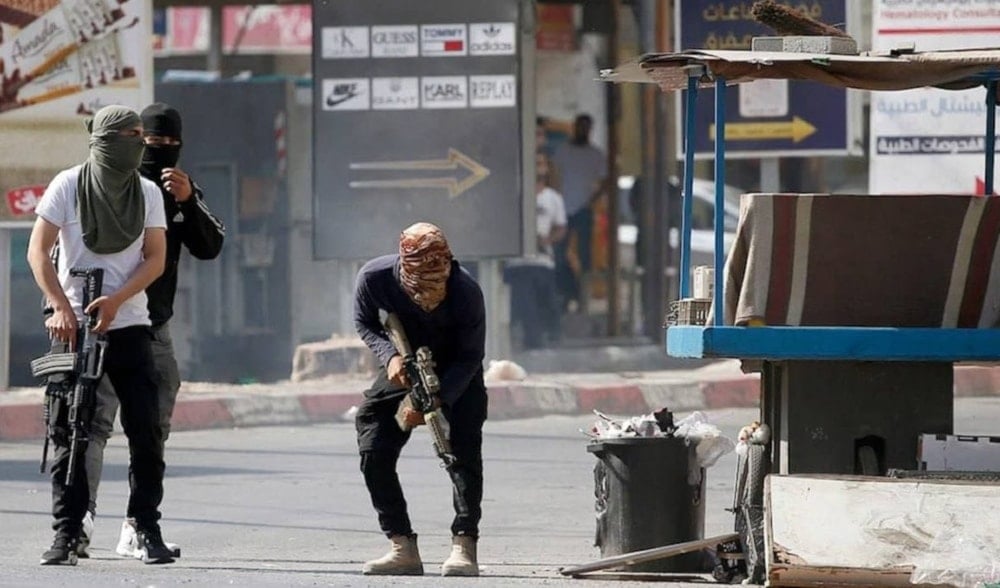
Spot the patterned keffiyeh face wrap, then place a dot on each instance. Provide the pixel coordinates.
(424, 264)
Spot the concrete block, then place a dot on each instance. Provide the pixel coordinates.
(335, 356)
(806, 44)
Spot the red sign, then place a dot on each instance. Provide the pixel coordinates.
(22, 201)
(981, 187)
(256, 29)
(556, 28)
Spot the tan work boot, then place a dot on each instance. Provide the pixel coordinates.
(403, 559)
(462, 561)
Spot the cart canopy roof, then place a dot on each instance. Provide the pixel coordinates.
(894, 70)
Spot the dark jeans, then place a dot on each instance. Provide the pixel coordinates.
(534, 303)
(380, 441)
(128, 364)
(581, 223)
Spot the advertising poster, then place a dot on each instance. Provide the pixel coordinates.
(60, 62)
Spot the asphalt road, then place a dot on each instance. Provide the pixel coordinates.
(286, 506)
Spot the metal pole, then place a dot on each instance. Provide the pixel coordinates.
(614, 322)
(658, 160)
(214, 57)
(497, 307)
(5, 271)
(720, 191)
(667, 207)
(689, 142)
(770, 175)
(991, 135)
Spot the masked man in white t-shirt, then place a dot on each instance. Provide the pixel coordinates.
(104, 215)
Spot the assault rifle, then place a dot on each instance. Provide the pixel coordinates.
(424, 389)
(72, 377)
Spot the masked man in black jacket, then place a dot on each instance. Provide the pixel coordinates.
(440, 306)
(189, 222)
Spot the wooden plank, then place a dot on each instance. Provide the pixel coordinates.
(827, 577)
(868, 531)
(645, 555)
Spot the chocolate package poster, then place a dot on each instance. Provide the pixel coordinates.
(72, 57)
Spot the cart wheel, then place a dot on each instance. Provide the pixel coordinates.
(756, 471)
(750, 513)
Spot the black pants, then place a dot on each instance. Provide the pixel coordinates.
(534, 303)
(380, 441)
(569, 284)
(128, 363)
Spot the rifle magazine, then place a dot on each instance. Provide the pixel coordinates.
(52, 364)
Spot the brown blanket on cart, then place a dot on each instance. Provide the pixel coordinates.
(891, 261)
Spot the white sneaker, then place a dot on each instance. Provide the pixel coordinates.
(128, 542)
(86, 533)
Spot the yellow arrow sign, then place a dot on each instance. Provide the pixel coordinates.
(796, 129)
(456, 159)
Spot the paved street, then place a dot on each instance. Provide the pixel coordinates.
(286, 506)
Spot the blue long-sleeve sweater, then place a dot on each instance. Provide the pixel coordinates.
(455, 331)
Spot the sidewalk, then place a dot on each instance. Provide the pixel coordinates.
(206, 405)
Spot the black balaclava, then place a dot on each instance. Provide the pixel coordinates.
(163, 120)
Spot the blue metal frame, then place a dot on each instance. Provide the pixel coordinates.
(720, 194)
(835, 343)
(689, 137)
(816, 343)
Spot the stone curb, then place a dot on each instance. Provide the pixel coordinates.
(22, 420)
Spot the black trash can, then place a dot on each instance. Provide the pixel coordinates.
(649, 493)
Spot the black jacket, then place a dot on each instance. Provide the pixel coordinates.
(455, 331)
(192, 224)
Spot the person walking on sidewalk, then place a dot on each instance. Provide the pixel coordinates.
(582, 168)
(440, 306)
(191, 224)
(534, 302)
(106, 216)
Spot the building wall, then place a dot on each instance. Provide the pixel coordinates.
(321, 289)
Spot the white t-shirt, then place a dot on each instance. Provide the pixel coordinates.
(58, 206)
(549, 212)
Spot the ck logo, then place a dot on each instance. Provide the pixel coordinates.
(344, 42)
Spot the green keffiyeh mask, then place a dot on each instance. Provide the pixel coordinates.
(109, 196)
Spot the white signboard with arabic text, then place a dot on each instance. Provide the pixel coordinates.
(929, 140)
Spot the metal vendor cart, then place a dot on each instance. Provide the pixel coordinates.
(856, 353)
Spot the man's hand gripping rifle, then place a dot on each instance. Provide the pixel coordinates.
(424, 389)
(72, 377)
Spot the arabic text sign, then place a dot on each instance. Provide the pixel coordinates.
(768, 117)
(21, 202)
(950, 125)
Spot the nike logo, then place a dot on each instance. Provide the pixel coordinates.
(342, 93)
